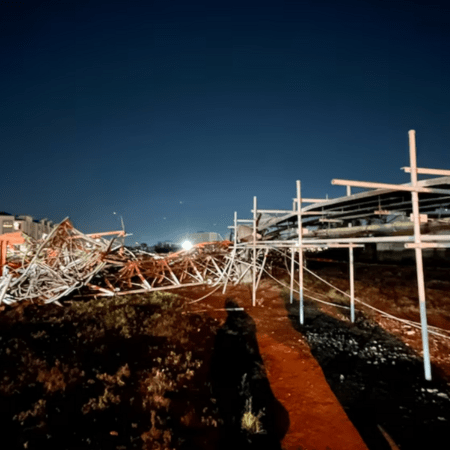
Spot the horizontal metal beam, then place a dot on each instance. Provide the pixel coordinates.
(312, 200)
(273, 211)
(421, 170)
(345, 245)
(380, 239)
(396, 187)
(427, 245)
(294, 245)
(106, 233)
(382, 212)
(290, 243)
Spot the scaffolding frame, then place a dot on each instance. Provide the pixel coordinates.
(284, 237)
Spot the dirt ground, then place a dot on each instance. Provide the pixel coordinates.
(170, 372)
(358, 385)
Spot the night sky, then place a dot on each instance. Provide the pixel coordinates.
(175, 113)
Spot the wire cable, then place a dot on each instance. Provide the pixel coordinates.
(205, 296)
(407, 322)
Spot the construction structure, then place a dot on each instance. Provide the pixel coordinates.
(415, 214)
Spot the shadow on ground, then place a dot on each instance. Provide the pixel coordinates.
(253, 417)
(378, 380)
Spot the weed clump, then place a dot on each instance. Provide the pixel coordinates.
(250, 421)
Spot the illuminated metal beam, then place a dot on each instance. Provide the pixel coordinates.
(312, 200)
(419, 256)
(395, 187)
(427, 245)
(421, 170)
(275, 211)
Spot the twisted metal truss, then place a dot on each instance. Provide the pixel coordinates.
(68, 260)
(50, 270)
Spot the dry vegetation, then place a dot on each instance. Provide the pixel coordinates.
(118, 373)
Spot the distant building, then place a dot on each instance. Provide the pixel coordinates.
(37, 229)
(165, 247)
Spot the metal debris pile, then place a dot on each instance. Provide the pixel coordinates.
(67, 260)
(129, 274)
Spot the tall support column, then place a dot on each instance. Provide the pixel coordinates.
(419, 258)
(291, 296)
(352, 282)
(254, 252)
(292, 274)
(262, 267)
(300, 252)
(233, 254)
(235, 231)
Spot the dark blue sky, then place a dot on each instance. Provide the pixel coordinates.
(175, 113)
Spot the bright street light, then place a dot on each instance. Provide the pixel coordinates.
(186, 245)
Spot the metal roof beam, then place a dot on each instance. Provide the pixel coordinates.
(421, 170)
(395, 187)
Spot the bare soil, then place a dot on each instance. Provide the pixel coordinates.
(161, 372)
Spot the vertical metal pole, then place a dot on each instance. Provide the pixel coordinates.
(349, 190)
(235, 230)
(300, 251)
(233, 254)
(352, 283)
(292, 274)
(291, 296)
(254, 253)
(262, 268)
(419, 259)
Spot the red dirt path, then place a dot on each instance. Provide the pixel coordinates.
(317, 420)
